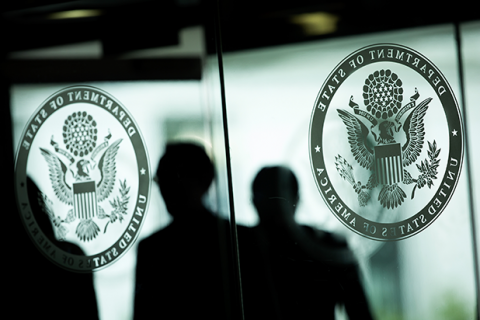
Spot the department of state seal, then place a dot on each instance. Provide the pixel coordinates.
(386, 142)
(82, 178)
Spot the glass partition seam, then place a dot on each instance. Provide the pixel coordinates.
(236, 259)
(467, 163)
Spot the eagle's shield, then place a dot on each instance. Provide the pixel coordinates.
(85, 199)
(388, 163)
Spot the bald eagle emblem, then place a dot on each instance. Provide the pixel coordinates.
(84, 178)
(386, 139)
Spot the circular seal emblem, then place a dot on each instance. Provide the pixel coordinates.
(386, 142)
(82, 178)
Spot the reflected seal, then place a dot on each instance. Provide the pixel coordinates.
(82, 179)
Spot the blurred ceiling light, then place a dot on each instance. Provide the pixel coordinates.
(74, 14)
(316, 23)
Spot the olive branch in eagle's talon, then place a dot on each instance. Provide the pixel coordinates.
(428, 169)
(119, 205)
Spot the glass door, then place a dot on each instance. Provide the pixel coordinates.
(336, 214)
(119, 165)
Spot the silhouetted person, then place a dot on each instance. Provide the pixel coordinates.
(44, 290)
(179, 268)
(291, 271)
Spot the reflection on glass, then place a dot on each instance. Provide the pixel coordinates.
(74, 287)
(165, 111)
(270, 96)
(181, 265)
(294, 271)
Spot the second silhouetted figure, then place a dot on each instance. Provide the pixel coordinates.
(179, 268)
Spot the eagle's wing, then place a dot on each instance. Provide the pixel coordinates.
(415, 130)
(58, 171)
(357, 134)
(108, 170)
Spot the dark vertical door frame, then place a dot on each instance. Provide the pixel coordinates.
(467, 159)
(237, 308)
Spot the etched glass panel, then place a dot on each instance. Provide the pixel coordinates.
(380, 121)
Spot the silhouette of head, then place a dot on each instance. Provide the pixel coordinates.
(275, 193)
(83, 170)
(184, 174)
(386, 132)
